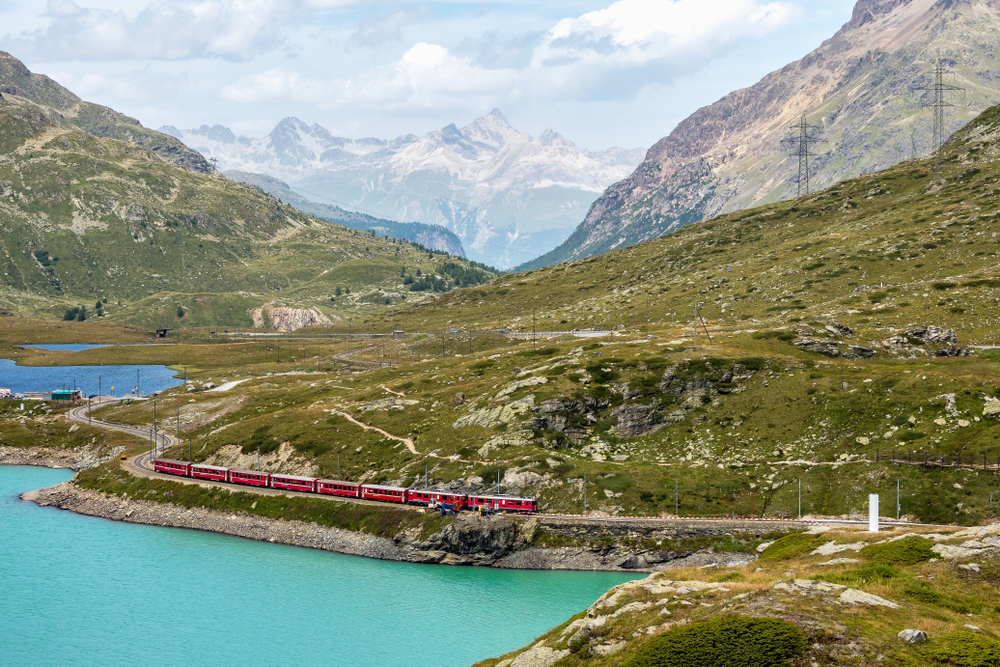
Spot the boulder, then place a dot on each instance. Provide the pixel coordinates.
(952, 351)
(838, 329)
(913, 636)
(859, 351)
(818, 346)
(992, 407)
(543, 656)
(459, 399)
(933, 334)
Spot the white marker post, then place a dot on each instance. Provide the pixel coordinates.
(873, 513)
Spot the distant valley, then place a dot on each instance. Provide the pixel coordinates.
(507, 195)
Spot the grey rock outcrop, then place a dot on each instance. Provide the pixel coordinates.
(818, 346)
(913, 636)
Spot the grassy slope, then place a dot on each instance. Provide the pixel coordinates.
(938, 597)
(87, 217)
(735, 447)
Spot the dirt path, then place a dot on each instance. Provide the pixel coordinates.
(406, 441)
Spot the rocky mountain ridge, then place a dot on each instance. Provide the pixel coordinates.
(505, 194)
(18, 81)
(865, 89)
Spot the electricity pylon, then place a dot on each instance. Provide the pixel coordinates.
(801, 144)
(939, 88)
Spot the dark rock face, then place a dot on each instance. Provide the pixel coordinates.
(636, 419)
(859, 351)
(838, 329)
(952, 351)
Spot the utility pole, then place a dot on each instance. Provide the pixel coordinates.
(584, 493)
(647, 314)
(178, 423)
(677, 496)
(532, 328)
(189, 448)
(897, 500)
(939, 88)
(800, 144)
(800, 497)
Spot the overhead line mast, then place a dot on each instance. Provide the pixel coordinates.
(801, 144)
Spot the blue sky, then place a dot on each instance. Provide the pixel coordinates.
(600, 73)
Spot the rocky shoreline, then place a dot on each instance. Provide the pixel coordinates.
(502, 542)
(45, 457)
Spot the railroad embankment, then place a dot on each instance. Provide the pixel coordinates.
(506, 542)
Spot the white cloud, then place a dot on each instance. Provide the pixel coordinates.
(616, 51)
(426, 76)
(162, 30)
(608, 54)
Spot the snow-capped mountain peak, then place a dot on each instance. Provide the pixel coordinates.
(506, 194)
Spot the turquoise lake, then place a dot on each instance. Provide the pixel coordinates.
(89, 379)
(84, 591)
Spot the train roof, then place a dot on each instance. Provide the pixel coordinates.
(249, 472)
(337, 481)
(505, 497)
(205, 466)
(184, 463)
(379, 487)
(294, 478)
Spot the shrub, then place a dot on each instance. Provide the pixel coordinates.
(791, 546)
(907, 551)
(963, 649)
(779, 335)
(877, 297)
(943, 285)
(733, 641)
(907, 436)
(752, 363)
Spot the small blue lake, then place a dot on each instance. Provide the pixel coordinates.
(71, 347)
(151, 378)
(84, 591)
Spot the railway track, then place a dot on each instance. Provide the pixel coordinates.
(141, 466)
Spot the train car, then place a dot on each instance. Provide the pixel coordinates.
(389, 494)
(182, 468)
(293, 483)
(419, 497)
(251, 477)
(513, 504)
(205, 471)
(430, 496)
(333, 487)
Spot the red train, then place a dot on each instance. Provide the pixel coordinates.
(389, 494)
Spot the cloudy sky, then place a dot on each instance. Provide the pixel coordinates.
(601, 73)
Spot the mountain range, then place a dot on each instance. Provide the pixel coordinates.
(96, 207)
(866, 91)
(507, 195)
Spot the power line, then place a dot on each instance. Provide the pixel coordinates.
(800, 144)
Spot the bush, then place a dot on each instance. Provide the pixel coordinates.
(963, 649)
(752, 363)
(907, 551)
(780, 335)
(733, 641)
(791, 546)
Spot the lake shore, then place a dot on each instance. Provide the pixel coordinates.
(499, 541)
